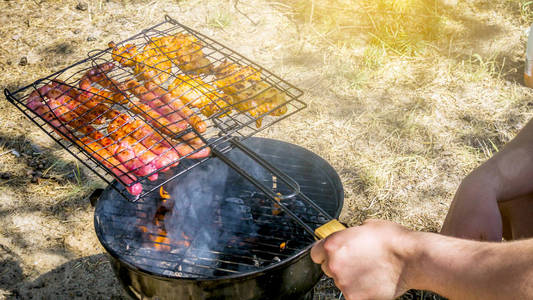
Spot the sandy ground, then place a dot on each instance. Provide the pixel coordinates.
(400, 129)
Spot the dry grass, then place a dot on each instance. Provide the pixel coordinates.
(405, 98)
(412, 112)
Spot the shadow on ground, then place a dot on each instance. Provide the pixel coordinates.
(88, 277)
(20, 198)
(91, 277)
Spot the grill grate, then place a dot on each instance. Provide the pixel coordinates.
(167, 94)
(245, 251)
(251, 231)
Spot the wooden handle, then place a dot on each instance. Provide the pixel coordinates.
(330, 227)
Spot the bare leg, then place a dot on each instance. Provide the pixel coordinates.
(517, 218)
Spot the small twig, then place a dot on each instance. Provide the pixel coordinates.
(281, 4)
(321, 35)
(312, 12)
(6, 152)
(10, 151)
(238, 10)
(49, 168)
(387, 45)
(68, 221)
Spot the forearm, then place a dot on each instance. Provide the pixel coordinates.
(462, 269)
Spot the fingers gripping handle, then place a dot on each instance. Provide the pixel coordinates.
(329, 228)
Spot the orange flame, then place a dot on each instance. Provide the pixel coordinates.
(164, 194)
(282, 246)
(160, 240)
(277, 209)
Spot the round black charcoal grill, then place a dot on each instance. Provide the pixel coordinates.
(210, 234)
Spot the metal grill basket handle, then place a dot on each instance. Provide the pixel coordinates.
(321, 232)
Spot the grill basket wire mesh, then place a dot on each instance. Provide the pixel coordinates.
(102, 105)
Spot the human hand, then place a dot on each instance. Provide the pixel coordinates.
(368, 261)
(474, 212)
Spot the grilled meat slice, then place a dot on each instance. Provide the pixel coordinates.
(192, 90)
(248, 93)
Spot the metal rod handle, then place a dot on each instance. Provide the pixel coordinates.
(266, 190)
(286, 179)
(281, 175)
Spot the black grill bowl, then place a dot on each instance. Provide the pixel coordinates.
(289, 274)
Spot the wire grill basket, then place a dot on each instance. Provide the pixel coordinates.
(141, 106)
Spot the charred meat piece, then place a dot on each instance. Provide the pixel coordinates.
(156, 107)
(185, 50)
(106, 158)
(149, 63)
(98, 146)
(248, 93)
(192, 90)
